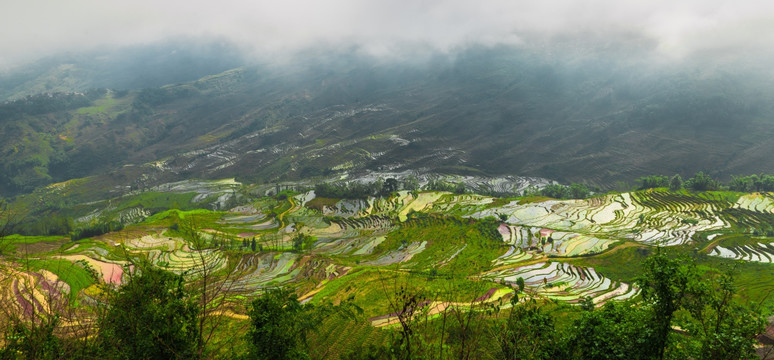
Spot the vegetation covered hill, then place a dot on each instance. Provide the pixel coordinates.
(482, 111)
(408, 274)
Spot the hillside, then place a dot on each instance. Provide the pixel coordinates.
(484, 111)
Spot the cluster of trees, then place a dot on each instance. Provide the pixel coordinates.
(704, 182)
(95, 229)
(752, 183)
(558, 191)
(358, 190)
(303, 242)
(251, 244)
(62, 225)
(441, 185)
(46, 225)
(658, 181)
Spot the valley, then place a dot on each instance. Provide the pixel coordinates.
(386, 180)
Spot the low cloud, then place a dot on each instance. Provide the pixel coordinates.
(34, 28)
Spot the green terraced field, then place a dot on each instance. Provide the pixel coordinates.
(452, 249)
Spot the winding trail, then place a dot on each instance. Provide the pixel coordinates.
(281, 216)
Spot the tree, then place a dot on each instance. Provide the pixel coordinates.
(676, 183)
(152, 316)
(408, 306)
(555, 191)
(578, 191)
(527, 333)
(574, 191)
(209, 287)
(719, 326)
(653, 181)
(411, 183)
(702, 182)
(520, 283)
(587, 303)
(303, 241)
(278, 326)
(390, 186)
(664, 284)
(617, 330)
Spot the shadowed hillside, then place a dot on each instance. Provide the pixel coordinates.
(482, 111)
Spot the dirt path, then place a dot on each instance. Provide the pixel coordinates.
(281, 217)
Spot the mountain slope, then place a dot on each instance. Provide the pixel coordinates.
(494, 111)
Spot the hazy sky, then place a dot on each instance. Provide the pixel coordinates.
(33, 28)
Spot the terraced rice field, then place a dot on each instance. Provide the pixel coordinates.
(257, 272)
(350, 245)
(32, 293)
(565, 282)
(756, 202)
(514, 255)
(434, 308)
(112, 273)
(418, 234)
(550, 242)
(759, 252)
(188, 261)
(404, 254)
(157, 241)
(650, 217)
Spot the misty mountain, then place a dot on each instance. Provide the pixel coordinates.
(134, 67)
(565, 113)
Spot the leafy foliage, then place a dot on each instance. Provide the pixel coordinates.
(152, 316)
(33, 342)
(653, 181)
(557, 191)
(356, 190)
(664, 284)
(528, 333)
(676, 183)
(618, 330)
(702, 182)
(441, 185)
(278, 326)
(752, 183)
(719, 326)
(96, 229)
